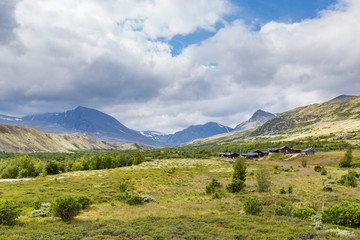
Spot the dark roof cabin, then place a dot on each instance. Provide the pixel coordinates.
(309, 151)
(285, 149)
(250, 155)
(229, 155)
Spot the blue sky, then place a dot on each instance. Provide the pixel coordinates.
(167, 64)
(256, 13)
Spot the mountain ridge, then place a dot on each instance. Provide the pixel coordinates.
(256, 120)
(188, 134)
(339, 117)
(14, 138)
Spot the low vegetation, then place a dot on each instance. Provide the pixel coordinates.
(181, 198)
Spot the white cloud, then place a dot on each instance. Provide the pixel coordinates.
(107, 55)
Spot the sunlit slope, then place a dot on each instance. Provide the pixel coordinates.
(340, 117)
(25, 139)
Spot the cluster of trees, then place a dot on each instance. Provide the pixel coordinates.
(20, 166)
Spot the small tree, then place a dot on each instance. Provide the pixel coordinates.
(9, 212)
(213, 186)
(262, 178)
(66, 207)
(349, 179)
(347, 159)
(303, 162)
(239, 176)
(252, 205)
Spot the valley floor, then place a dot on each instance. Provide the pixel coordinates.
(182, 209)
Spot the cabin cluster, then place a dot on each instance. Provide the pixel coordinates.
(266, 152)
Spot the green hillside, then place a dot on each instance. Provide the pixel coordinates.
(338, 118)
(25, 140)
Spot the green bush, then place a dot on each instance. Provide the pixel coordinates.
(317, 168)
(239, 176)
(134, 199)
(327, 189)
(124, 186)
(323, 171)
(263, 179)
(252, 205)
(303, 162)
(39, 213)
(290, 189)
(85, 201)
(282, 190)
(347, 159)
(213, 186)
(349, 179)
(344, 214)
(148, 199)
(36, 204)
(235, 186)
(66, 207)
(303, 213)
(9, 212)
(217, 195)
(283, 211)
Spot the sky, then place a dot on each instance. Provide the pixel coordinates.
(167, 64)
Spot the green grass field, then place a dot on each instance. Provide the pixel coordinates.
(183, 210)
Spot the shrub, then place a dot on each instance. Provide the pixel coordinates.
(36, 204)
(39, 213)
(239, 170)
(303, 213)
(216, 195)
(9, 212)
(283, 211)
(347, 159)
(213, 186)
(85, 201)
(170, 171)
(134, 199)
(349, 179)
(262, 178)
(239, 176)
(323, 171)
(123, 186)
(344, 214)
(235, 186)
(252, 205)
(290, 189)
(148, 199)
(66, 207)
(303, 162)
(282, 190)
(317, 168)
(121, 196)
(327, 189)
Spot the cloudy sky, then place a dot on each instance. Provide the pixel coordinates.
(167, 64)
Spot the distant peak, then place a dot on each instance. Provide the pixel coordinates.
(342, 96)
(261, 113)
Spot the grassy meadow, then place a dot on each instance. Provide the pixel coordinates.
(182, 209)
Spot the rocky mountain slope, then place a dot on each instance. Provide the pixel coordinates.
(93, 122)
(339, 117)
(257, 119)
(26, 139)
(189, 134)
(106, 128)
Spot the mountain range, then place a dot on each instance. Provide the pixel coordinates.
(104, 127)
